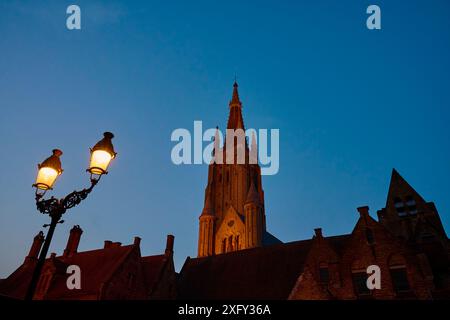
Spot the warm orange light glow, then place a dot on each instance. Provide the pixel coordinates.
(46, 178)
(100, 160)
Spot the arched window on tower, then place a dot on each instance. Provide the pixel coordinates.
(230, 244)
(236, 242)
(224, 245)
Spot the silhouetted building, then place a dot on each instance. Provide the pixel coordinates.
(115, 272)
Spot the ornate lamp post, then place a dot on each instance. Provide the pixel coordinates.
(101, 155)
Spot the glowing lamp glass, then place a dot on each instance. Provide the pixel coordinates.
(100, 160)
(46, 178)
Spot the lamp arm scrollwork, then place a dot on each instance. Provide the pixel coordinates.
(54, 206)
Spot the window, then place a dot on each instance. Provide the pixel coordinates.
(324, 275)
(131, 279)
(405, 208)
(224, 245)
(400, 207)
(399, 279)
(359, 283)
(230, 243)
(398, 203)
(427, 237)
(411, 203)
(369, 236)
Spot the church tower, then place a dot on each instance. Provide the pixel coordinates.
(233, 216)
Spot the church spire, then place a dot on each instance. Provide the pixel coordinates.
(235, 120)
(235, 98)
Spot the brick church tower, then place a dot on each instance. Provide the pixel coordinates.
(233, 216)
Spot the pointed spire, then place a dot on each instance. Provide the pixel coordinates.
(235, 102)
(208, 209)
(235, 120)
(252, 195)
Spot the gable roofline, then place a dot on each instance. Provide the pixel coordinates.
(398, 181)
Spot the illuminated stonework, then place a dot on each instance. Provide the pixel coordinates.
(233, 216)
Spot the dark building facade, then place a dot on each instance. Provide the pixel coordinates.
(114, 272)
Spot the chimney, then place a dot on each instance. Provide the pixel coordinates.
(108, 244)
(35, 247)
(73, 241)
(137, 241)
(318, 232)
(363, 211)
(169, 245)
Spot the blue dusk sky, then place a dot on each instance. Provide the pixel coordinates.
(350, 104)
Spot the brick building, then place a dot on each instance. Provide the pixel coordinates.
(114, 272)
(239, 259)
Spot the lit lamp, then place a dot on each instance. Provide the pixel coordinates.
(101, 155)
(49, 170)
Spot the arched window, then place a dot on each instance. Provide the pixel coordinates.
(236, 242)
(224, 245)
(230, 243)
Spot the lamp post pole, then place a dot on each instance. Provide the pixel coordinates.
(41, 260)
(55, 209)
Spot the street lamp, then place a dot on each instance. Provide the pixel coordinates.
(101, 155)
(48, 171)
